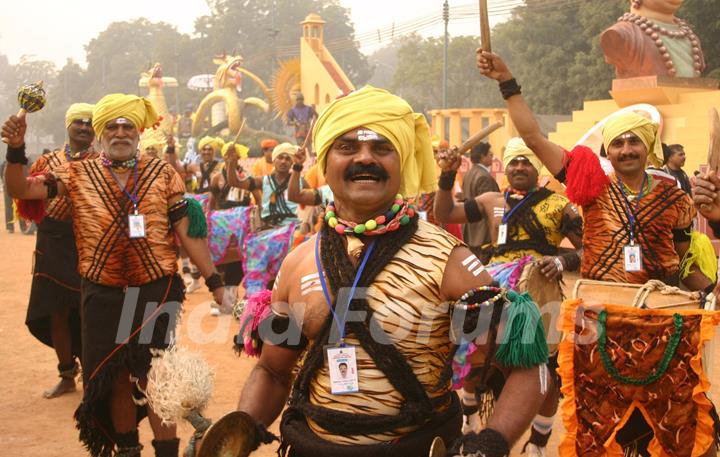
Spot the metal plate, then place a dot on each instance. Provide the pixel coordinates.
(231, 436)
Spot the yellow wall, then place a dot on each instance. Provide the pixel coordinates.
(315, 80)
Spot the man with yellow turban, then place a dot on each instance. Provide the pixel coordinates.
(53, 311)
(122, 205)
(637, 224)
(367, 291)
(265, 249)
(527, 223)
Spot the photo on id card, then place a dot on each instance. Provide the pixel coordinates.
(342, 367)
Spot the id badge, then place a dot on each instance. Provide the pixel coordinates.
(502, 234)
(342, 366)
(633, 258)
(136, 222)
(233, 195)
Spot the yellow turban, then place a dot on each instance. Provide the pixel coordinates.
(137, 110)
(391, 117)
(214, 142)
(515, 148)
(78, 111)
(284, 148)
(152, 139)
(242, 150)
(641, 126)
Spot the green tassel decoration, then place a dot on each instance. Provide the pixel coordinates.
(524, 344)
(198, 224)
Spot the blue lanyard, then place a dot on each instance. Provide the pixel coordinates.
(506, 216)
(632, 213)
(133, 198)
(340, 323)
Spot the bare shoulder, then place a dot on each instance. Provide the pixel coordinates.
(463, 272)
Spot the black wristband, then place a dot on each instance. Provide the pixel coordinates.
(170, 150)
(509, 88)
(709, 289)
(16, 155)
(488, 443)
(447, 180)
(572, 261)
(472, 210)
(297, 167)
(253, 185)
(214, 281)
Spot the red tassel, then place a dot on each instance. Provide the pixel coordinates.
(585, 178)
(33, 210)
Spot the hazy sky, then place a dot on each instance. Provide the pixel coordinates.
(57, 29)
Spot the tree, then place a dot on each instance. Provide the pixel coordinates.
(419, 74)
(264, 31)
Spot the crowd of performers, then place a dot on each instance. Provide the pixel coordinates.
(385, 371)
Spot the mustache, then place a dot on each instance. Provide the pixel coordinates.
(625, 157)
(114, 142)
(372, 170)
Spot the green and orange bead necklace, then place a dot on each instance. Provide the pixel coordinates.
(400, 213)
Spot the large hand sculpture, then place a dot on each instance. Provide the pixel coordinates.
(650, 40)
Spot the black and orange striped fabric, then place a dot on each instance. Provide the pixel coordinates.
(100, 209)
(607, 232)
(58, 208)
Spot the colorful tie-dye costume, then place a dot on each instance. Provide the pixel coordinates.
(264, 252)
(228, 228)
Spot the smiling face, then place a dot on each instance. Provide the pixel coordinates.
(521, 174)
(207, 153)
(80, 131)
(120, 139)
(363, 171)
(628, 154)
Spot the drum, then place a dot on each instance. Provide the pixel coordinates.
(651, 295)
(547, 295)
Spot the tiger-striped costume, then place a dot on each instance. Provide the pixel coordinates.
(56, 282)
(100, 212)
(664, 210)
(128, 284)
(420, 262)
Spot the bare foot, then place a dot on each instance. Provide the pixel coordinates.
(64, 386)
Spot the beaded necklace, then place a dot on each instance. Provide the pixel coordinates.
(119, 165)
(70, 156)
(654, 30)
(400, 213)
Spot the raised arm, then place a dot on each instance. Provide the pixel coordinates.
(522, 116)
(446, 209)
(18, 185)
(231, 162)
(298, 190)
(171, 157)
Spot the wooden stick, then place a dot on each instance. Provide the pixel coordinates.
(713, 158)
(309, 133)
(484, 27)
(478, 137)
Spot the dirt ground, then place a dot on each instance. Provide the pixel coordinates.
(35, 427)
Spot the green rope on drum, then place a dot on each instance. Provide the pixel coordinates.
(664, 362)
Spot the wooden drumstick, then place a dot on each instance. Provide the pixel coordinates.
(484, 27)
(478, 137)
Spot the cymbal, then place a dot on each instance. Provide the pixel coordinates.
(438, 448)
(231, 436)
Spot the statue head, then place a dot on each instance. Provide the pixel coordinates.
(228, 74)
(655, 8)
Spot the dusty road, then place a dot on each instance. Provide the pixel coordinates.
(35, 427)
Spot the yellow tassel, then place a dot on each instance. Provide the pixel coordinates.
(702, 254)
